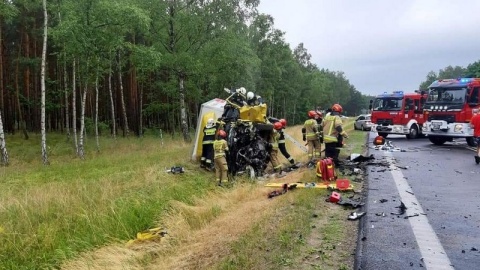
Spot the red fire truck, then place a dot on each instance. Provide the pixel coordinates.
(398, 113)
(448, 109)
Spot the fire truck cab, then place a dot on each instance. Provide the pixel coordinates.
(448, 109)
(398, 113)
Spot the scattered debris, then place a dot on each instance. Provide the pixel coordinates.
(176, 170)
(402, 207)
(382, 214)
(351, 203)
(282, 191)
(150, 234)
(414, 215)
(383, 200)
(355, 215)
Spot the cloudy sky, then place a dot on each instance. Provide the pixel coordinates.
(381, 45)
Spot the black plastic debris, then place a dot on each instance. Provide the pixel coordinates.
(176, 170)
(402, 208)
(351, 203)
(361, 158)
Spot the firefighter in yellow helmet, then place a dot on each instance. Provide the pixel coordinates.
(311, 134)
(220, 148)
(333, 133)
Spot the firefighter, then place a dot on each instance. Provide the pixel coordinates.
(207, 144)
(281, 142)
(274, 142)
(333, 133)
(475, 124)
(220, 147)
(311, 134)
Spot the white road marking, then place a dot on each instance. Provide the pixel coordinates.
(433, 254)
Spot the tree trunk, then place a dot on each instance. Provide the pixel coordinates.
(114, 127)
(183, 111)
(140, 124)
(65, 89)
(2, 102)
(96, 115)
(42, 85)
(3, 146)
(21, 123)
(74, 108)
(81, 148)
(126, 131)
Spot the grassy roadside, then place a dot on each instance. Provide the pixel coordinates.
(49, 215)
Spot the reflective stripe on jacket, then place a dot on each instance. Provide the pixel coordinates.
(209, 135)
(330, 132)
(311, 129)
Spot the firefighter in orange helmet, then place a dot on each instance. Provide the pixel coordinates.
(333, 133)
(274, 141)
(311, 134)
(220, 148)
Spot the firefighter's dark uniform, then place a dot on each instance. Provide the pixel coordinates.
(311, 134)
(283, 149)
(207, 146)
(333, 134)
(220, 146)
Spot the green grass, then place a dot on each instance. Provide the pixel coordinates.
(51, 213)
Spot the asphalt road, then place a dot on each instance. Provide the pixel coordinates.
(440, 188)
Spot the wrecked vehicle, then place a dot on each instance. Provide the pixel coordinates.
(248, 131)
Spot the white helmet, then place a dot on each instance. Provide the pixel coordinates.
(210, 123)
(242, 90)
(250, 95)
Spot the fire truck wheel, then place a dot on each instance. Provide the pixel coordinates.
(413, 133)
(471, 142)
(384, 135)
(437, 140)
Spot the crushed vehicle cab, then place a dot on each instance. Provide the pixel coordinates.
(398, 113)
(448, 109)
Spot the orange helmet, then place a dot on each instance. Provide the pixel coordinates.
(222, 134)
(312, 114)
(277, 126)
(337, 108)
(283, 121)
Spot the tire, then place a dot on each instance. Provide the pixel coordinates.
(437, 140)
(362, 128)
(471, 142)
(413, 132)
(354, 127)
(384, 135)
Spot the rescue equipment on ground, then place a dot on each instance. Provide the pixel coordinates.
(325, 169)
(379, 140)
(330, 186)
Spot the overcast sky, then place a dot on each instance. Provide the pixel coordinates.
(381, 45)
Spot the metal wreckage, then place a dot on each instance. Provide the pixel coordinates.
(244, 118)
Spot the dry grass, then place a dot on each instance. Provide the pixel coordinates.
(202, 233)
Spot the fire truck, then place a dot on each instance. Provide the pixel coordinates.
(448, 109)
(398, 113)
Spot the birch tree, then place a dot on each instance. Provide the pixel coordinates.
(3, 146)
(43, 90)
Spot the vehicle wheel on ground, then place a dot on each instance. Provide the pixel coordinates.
(437, 140)
(384, 135)
(363, 128)
(471, 142)
(354, 127)
(413, 132)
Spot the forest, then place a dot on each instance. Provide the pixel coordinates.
(126, 66)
